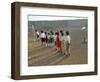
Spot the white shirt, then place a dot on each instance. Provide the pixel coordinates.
(67, 39)
(42, 35)
(62, 38)
(37, 33)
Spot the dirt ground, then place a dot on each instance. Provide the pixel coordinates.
(40, 55)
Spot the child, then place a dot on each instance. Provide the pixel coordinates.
(58, 43)
(67, 40)
(49, 39)
(42, 37)
(53, 39)
(62, 43)
(46, 39)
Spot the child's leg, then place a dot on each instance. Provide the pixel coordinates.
(68, 49)
(62, 48)
(55, 46)
(44, 41)
(58, 49)
(41, 41)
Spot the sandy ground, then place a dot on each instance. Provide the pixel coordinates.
(40, 55)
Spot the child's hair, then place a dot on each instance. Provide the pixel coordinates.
(52, 33)
(41, 31)
(45, 32)
(61, 31)
(67, 32)
(62, 34)
(57, 33)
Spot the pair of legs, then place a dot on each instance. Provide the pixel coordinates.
(42, 41)
(38, 39)
(58, 48)
(65, 48)
(67, 51)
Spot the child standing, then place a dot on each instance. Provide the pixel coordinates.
(67, 40)
(46, 39)
(49, 37)
(62, 43)
(42, 37)
(58, 43)
(53, 39)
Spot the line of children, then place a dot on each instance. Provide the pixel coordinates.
(59, 40)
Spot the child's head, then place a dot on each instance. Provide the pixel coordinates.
(41, 31)
(62, 34)
(67, 32)
(52, 33)
(61, 31)
(57, 33)
(45, 32)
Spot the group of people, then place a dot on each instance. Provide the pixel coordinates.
(60, 40)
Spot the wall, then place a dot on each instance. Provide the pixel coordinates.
(5, 40)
